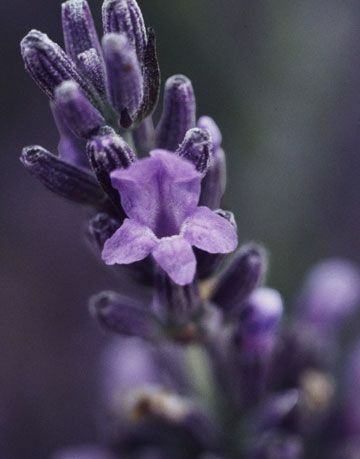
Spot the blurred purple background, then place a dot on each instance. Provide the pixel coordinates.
(282, 80)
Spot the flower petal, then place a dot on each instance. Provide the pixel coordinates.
(131, 242)
(159, 192)
(176, 257)
(209, 232)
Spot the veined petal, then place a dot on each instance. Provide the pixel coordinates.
(176, 257)
(209, 231)
(131, 242)
(159, 192)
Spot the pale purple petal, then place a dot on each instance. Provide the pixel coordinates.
(176, 257)
(131, 242)
(159, 192)
(209, 232)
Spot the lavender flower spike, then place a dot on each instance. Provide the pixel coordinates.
(160, 195)
(178, 114)
(79, 29)
(197, 148)
(49, 65)
(79, 114)
(125, 81)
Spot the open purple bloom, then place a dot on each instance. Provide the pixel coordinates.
(160, 196)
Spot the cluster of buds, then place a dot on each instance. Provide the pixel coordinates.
(202, 364)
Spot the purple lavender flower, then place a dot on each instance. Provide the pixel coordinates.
(203, 369)
(160, 195)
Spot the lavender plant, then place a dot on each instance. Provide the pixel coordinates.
(204, 364)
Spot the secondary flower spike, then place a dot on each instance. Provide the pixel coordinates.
(160, 196)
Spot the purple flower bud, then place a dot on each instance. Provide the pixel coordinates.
(178, 114)
(330, 294)
(120, 315)
(175, 304)
(124, 77)
(260, 317)
(151, 78)
(79, 29)
(197, 148)
(49, 65)
(208, 263)
(144, 136)
(124, 16)
(108, 152)
(76, 110)
(71, 149)
(92, 67)
(253, 344)
(214, 183)
(84, 452)
(63, 178)
(207, 123)
(101, 227)
(240, 278)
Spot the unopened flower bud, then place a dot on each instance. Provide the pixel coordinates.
(124, 76)
(63, 178)
(79, 29)
(197, 148)
(108, 152)
(214, 183)
(207, 123)
(178, 114)
(120, 315)
(240, 278)
(79, 114)
(49, 65)
(124, 16)
(92, 67)
(260, 317)
(71, 148)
